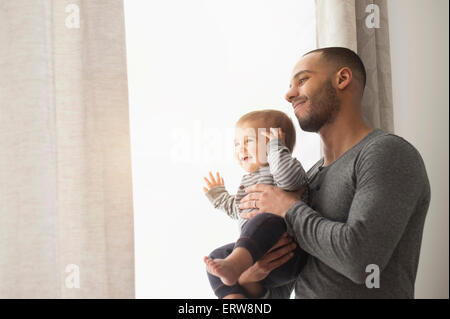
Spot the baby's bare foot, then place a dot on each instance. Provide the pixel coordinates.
(223, 269)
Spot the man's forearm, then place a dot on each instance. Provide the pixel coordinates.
(346, 247)
(253, 289)
(257, 290)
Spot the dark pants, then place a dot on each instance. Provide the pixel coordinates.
(258, 235)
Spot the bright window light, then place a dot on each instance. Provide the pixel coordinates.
(194, 67)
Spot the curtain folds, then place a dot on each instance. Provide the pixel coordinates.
(348, 23)
(66, 214)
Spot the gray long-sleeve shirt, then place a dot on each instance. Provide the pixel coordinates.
(366, 208)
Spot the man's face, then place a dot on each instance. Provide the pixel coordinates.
(312, 94)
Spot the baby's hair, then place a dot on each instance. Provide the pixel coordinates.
(272, 118)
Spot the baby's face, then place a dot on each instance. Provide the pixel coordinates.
(250, 147)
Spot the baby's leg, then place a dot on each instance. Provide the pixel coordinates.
(258, 235)
(230, 268)
(221, 290)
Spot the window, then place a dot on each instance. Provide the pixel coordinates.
(194, 67)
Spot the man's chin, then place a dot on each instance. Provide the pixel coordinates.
(308, 126)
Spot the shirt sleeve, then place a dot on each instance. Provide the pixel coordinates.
(287, 171)
(221, 199)
(391, 184)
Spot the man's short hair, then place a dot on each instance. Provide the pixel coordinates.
(340, 57)
(272, 118)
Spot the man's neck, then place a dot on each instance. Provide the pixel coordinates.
(341, 135)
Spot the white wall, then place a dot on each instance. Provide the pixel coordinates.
(420, 80)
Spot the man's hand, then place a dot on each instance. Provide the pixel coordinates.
(218, 181)
(280, 253)
(268, 199)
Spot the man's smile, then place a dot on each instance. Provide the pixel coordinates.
(298, 104)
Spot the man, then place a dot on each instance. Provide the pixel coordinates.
(369, 194)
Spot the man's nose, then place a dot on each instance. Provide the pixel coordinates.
(291, 94)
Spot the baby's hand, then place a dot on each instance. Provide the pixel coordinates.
(213, 182)
(275, 133)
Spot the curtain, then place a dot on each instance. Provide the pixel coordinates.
(354, 24)
(66, 215)
(336, 24)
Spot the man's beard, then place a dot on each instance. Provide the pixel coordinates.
(323, 108)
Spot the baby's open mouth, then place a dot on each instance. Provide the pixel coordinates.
(245, 158)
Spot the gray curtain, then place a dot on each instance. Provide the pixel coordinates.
(345, 23)
(66, 215)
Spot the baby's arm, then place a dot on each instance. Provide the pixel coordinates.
(287, 171)
(219, 196)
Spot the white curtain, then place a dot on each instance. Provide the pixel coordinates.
(336, 24)
(353, 24)
(66, 215)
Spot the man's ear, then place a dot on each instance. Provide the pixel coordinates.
(343, 78)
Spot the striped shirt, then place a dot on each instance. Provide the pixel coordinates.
(283, 171)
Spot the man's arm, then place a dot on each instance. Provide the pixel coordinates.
(279, 254)
(391, 183)
(281, 292)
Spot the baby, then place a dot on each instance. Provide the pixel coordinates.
(276, 167)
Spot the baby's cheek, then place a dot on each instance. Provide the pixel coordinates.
(262, 155)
